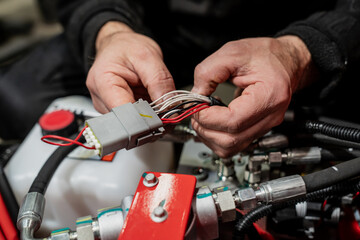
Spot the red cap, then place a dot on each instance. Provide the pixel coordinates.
(56, 120)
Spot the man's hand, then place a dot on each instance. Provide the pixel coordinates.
(268, 71)
(127, 66)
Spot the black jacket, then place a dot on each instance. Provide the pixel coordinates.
(190, 30)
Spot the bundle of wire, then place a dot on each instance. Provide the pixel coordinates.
(181, 102)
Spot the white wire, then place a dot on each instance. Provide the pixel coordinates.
(181, 96)
(170, 113)
(167, 94)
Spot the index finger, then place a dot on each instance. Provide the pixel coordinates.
(243, 112)
(155, 76)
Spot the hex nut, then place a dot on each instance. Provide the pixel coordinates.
(227, 206)
(275, 159)
(63, 235)
(247, 198)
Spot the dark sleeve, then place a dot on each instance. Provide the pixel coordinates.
(83, 19)
(332, 38)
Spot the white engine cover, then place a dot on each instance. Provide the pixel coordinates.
(81, 186)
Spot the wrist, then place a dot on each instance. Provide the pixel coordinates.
(109, 29)
(303, 70)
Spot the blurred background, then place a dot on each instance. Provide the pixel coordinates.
(23, 25)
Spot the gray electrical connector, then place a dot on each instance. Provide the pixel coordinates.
(127, 126)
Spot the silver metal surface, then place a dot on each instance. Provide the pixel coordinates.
(245, 198)
(226, 206)
(62, 235)
(281, 189)
(207, 226)
(225, 168)
(159, 214)
(33, 206)
(308, 155)
(275, 159)
(84, 228)
(30, 215)
(150, 180)
(274, 141)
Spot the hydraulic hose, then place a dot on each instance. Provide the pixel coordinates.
(263, 210)
(338, 154)
(332, 175)
(45, 174)
(333, 130)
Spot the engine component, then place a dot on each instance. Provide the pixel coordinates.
(274, 191)
(207, 225)
(58, 122)
(127, 126)
(30, 215)
(164, 208)
(82, 183)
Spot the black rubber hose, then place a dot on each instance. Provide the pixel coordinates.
(333, 130)
(332, 175)
(8, 196)
(261, 211)
(45, 174)
(338, 154)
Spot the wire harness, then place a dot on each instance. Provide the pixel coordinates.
(134, 124)
(126, 126)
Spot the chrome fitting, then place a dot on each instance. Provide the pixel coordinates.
(245, 198)
(226, 206)
(281, 189)
(30, 215)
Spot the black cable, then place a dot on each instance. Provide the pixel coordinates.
(181, 104)
(8, 196)
(333, 130)
(45, 174)
(182, 110)
(332, 175)
(261, 211)
(331, 141)
(251, 231)
(338, 154)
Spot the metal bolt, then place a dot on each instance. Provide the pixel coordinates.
(159, 214)
(150, 180)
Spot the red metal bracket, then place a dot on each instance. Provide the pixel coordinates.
(172, 193)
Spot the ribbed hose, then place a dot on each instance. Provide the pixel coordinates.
(263, 210)
(333, 130)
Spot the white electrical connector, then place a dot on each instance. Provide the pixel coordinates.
(127, 126)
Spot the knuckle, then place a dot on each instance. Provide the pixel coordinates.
(201, 71)
(234, 126)
(229, 142)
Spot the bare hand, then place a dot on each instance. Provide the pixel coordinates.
(268, 70)
(127, 66)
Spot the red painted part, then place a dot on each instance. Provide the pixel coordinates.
(6, 225)
(174, 192)
(56, 120)
(265, 235)
(1, 235)
(348, 226)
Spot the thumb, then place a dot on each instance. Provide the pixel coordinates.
(211, 72)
